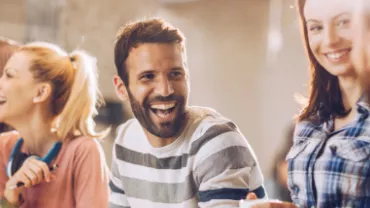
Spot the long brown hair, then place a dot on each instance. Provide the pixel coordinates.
(324, 95)
(7, 48)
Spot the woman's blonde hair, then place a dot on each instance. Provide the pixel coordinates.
(74, 80)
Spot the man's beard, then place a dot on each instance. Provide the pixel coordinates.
(164, 130)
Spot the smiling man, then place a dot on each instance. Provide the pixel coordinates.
(172, 154)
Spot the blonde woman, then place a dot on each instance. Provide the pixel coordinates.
(53, 158)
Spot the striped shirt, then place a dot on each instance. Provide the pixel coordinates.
(329, 168)
(209, 165)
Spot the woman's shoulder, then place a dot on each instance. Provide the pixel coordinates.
(85, 151)
(7, 142)
(84, 145)
(307, 129)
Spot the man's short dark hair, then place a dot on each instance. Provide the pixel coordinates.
(145, 31)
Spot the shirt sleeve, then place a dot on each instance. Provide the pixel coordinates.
(90, 176)
(226, 170)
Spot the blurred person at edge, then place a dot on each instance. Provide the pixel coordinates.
(361, 49)
(277, 185)
(7, 48)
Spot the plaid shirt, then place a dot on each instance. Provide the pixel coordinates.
(329, 168)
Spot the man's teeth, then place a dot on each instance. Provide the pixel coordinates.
(163, 106)
(337, 55)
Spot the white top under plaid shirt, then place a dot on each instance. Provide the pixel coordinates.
(331, 169)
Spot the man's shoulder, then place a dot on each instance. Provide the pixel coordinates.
(205, 117)
(214, 128)
(209, 120)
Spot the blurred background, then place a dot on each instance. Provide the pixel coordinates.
(245, 57)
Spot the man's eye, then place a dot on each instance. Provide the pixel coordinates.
(147, 77)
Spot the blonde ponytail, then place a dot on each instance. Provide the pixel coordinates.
(81, 106)
(75, 94)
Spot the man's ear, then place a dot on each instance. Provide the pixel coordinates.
(43, 92)
(120, 88)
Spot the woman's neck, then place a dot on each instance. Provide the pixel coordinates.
(36, 133)
(351, 91)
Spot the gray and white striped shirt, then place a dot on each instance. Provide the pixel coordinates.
(209, 165)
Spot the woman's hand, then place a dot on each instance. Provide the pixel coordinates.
(31, 173)
(268, 204)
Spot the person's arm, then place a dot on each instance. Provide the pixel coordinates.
(7, 142)
(226, 170)
(117, 197)
(90, 176)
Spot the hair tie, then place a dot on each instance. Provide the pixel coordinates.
(73, 61)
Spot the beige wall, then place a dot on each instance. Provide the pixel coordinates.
(280, 80)
(96, 23)
(226, 47)
(12, 19)
(226, 42)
